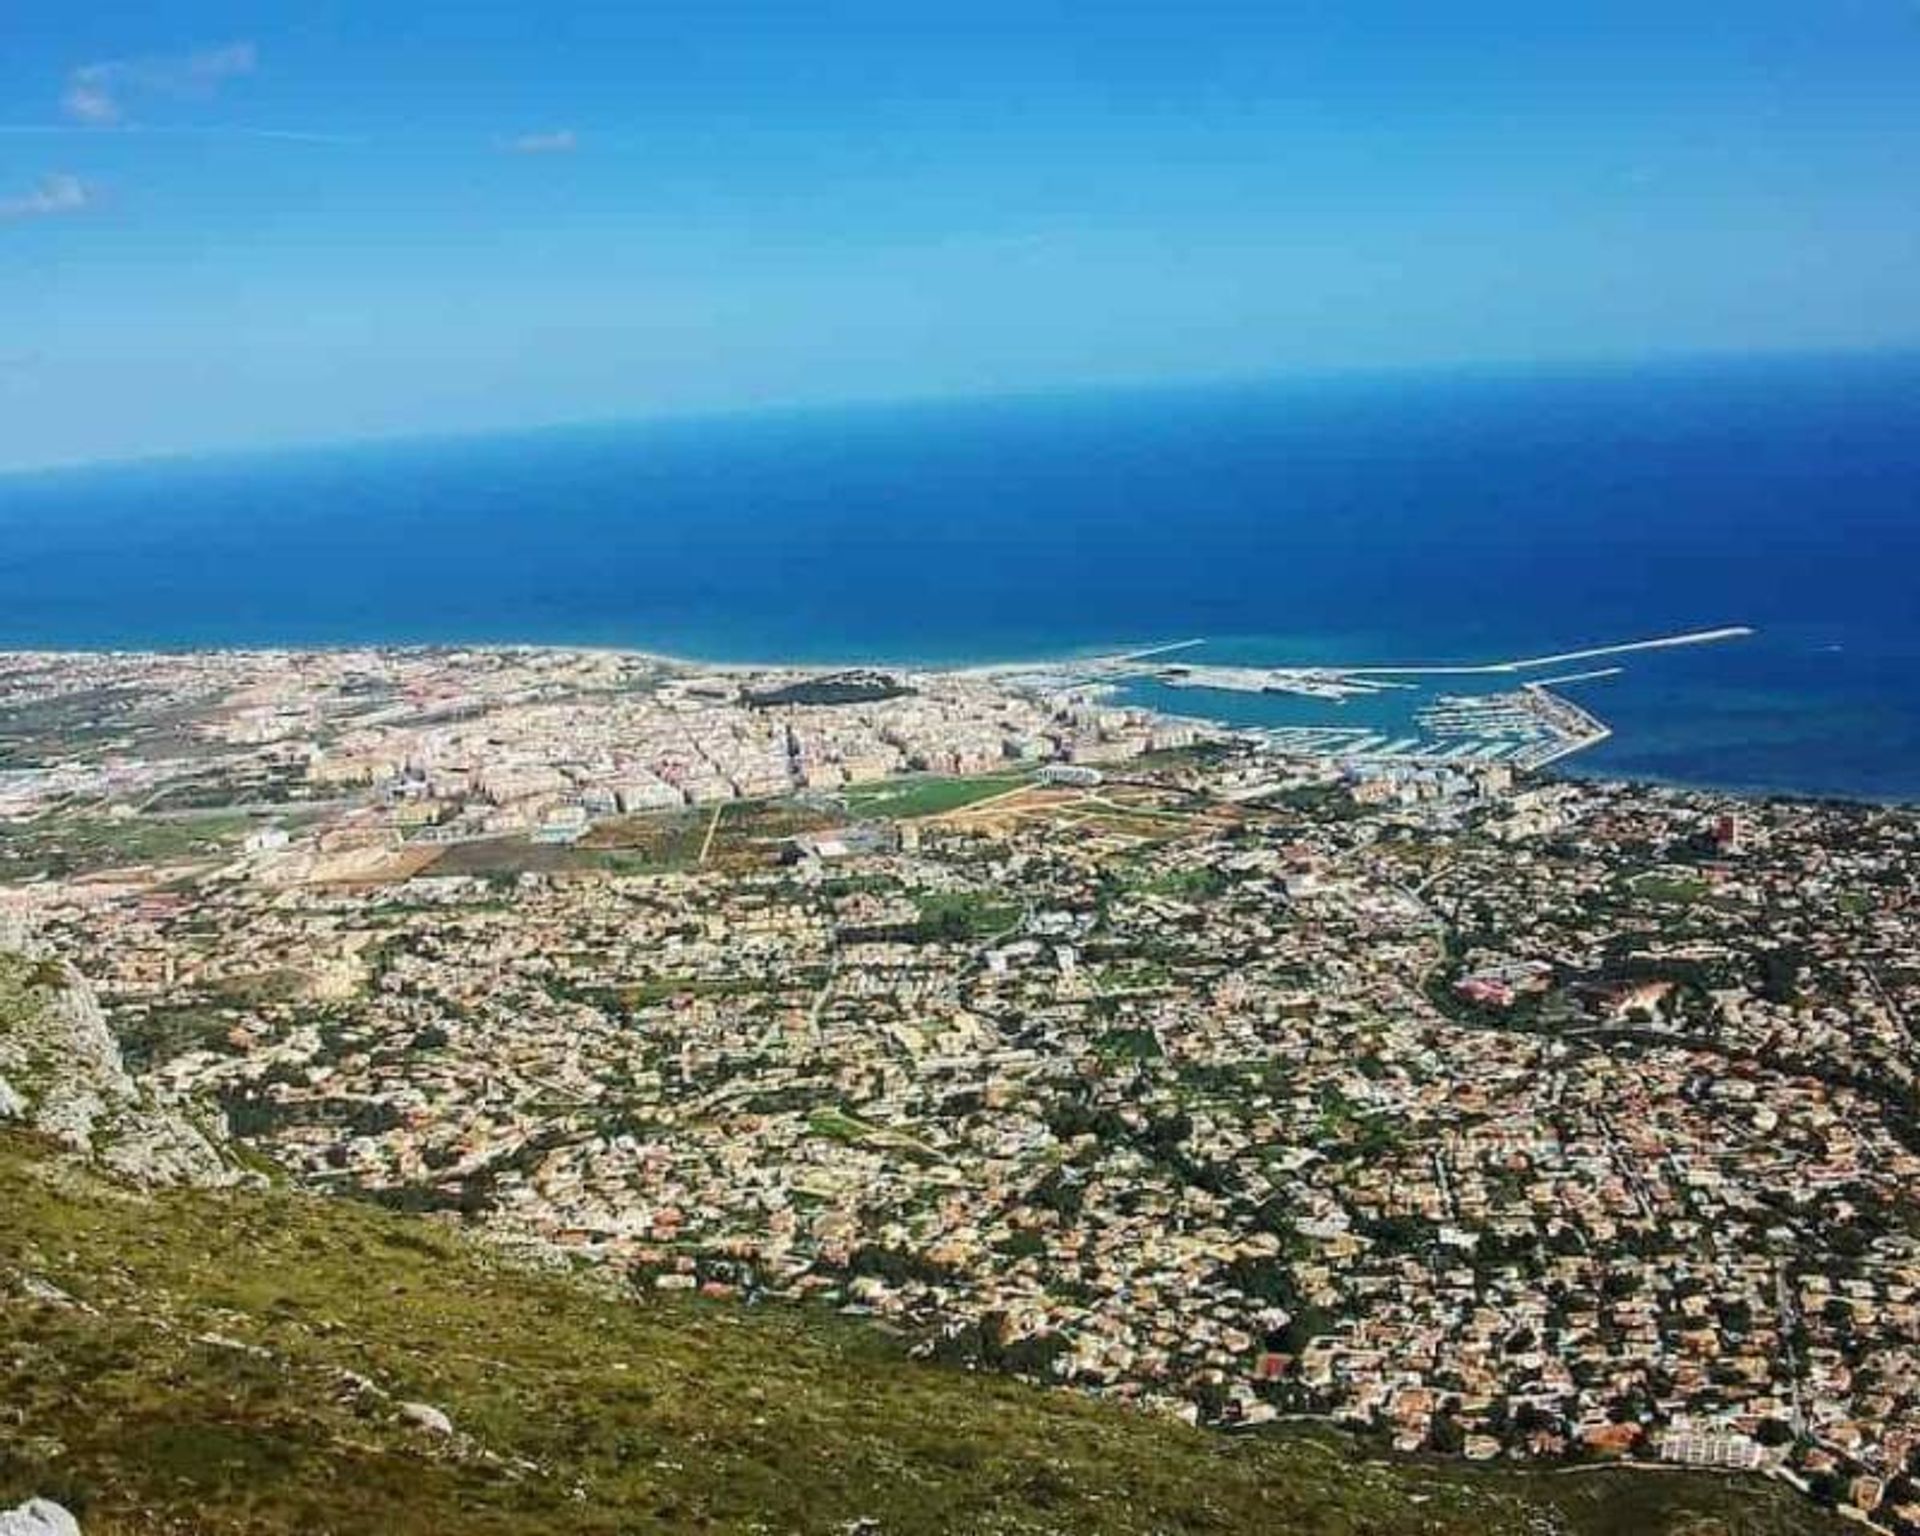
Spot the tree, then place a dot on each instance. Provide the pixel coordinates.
(1447, 1435)
(1529, 1418)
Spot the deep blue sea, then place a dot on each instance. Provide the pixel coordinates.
(1387, 519)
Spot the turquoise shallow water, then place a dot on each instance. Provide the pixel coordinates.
(1411, 518)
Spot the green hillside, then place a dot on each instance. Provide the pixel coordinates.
(237, 1361)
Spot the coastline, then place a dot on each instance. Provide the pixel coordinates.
(1064, 662)
(1433, 520)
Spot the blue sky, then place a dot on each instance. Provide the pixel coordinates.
(234, 225)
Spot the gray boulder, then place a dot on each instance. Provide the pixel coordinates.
(425, 1415)
(38, 1517)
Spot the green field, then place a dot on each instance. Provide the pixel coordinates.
(926, 795)
(663, 839)
(57, 729)
(1671, 890)
(626, 845)
(838, 1125)
(78, 844)
(957, 916)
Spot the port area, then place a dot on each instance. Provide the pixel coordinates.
(1527, 728)
(1306, 682)
(1527, 725)
(1349, 682)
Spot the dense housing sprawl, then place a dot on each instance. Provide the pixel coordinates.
(1492, 1116)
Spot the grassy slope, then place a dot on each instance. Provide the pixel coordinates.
(586, 1413)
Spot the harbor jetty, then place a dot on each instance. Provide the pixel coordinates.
(1526, 727)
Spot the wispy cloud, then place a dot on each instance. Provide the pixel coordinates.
(55, 194)
(185, 131)
(101, 94)
(557, 141)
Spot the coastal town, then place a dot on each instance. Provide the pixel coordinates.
(1480, 1111)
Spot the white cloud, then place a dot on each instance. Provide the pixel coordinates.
(56, 194)
(558, 141)
(90, 101)
(101, 93)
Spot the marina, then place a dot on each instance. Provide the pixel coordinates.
(1528, 728)
(1524, 727)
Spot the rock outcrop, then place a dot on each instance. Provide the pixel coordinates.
(61, 1074)
(427, 1417)
(38, 1517)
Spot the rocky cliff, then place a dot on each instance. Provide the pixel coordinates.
(61, 1074)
